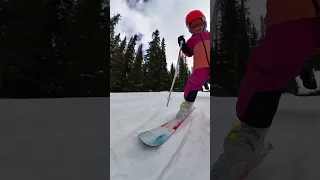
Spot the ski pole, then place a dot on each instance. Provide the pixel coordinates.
(175, 74)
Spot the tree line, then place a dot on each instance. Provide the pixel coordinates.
(56, 48)
(132, 70)
(69, 48)
(237, 36)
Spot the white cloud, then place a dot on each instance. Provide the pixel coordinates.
(168, 16)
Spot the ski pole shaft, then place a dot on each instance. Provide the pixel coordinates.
(175, 74)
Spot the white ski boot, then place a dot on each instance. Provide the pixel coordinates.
(185, 109)
(242, 148)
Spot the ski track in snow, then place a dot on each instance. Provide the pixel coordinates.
(294, 135)
(186, 153)
(178, 158)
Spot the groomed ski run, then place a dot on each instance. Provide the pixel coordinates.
(183, 156)
(186, 154)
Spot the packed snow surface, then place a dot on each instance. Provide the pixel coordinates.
(54, 139)
(186, 155)
(67, 138)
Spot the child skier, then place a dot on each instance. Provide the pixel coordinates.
(292, 36)
(197, 46)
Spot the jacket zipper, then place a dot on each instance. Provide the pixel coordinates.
(205, 49)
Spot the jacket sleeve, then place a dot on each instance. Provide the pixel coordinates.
(187, 49)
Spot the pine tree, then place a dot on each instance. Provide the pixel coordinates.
(233, 45)
(127, 66)
(183, 74)
(171, 73)
(228, 42)
(116, 73)
(262, 28)
(114, 39)
(164, 82)
(55, 48)
(113, 22)
(253, 36)
(152, 63)
(186, 72)
(242, 51)
(136, 78)
(114, 46)
(217, 68)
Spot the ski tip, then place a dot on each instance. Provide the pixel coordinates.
(150, 141)
(151, 144)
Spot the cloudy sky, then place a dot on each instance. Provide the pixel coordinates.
(145, 16)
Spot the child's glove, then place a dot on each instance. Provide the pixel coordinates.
(181, 39)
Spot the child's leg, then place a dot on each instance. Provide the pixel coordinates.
(195, 82)
(276, 60)
(279, 58)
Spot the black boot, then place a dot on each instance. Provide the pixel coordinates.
(308, 78)
(206, 86)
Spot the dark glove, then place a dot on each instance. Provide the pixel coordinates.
(181, 39)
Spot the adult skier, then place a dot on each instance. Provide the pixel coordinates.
(292, 36)
(197, 46)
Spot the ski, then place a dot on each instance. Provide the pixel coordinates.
(157, 136)
(268, 148)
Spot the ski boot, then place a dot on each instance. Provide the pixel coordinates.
(242, 148)
(206, 86)
(185, 109)
(308, 78)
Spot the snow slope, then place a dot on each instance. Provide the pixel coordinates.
(66, 138)
(294, 134)
(184, 156)
(54, 139)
